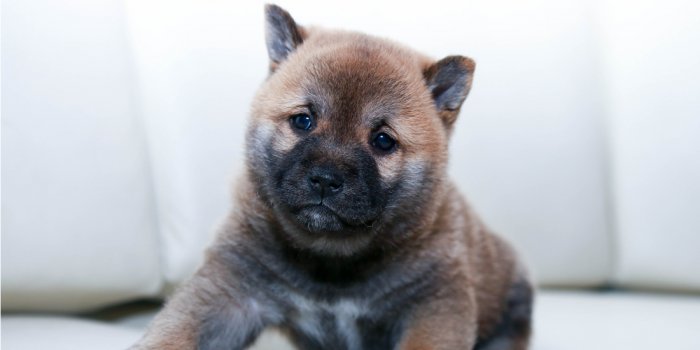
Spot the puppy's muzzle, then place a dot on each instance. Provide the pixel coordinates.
(325, 181)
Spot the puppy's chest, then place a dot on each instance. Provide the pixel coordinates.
(342, 324)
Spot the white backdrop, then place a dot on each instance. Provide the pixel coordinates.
(122, 126)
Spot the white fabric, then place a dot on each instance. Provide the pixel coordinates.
(198, 72)
(563, 320)
(527, 150)
(616, 320)
(653, 57)
(78, 226)
(64, 333)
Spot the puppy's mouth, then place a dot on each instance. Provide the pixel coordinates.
(320, 218)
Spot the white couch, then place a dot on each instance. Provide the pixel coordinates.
(122, 126)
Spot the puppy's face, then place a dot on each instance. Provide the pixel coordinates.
(348, 140)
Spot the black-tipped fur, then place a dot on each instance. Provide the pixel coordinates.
(282, 34)
(449, 81)
(513, 332)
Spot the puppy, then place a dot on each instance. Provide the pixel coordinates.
(347, 233)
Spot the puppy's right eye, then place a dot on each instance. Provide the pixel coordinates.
(302, 121)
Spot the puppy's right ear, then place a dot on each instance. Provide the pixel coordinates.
(282, 34)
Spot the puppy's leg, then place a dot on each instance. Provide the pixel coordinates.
(513, 332)
(442, 323)
(208, 312)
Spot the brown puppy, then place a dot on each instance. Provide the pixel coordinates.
(347, 233)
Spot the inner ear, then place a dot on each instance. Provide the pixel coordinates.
(282, 34)
(449, 81)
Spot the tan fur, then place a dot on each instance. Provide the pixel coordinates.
(348, 51)
(478, 268)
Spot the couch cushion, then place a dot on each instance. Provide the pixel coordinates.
(64, 333)
(199, 65)
(616, 320)
(78, 228)
(528, 148)
(655, 148)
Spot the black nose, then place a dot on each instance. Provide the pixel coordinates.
(325, 182)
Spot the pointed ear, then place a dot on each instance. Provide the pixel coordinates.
(282, 34)
(449, 81)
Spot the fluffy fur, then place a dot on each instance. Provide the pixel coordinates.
(394, 258)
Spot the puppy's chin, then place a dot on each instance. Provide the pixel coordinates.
(319, 219)
(319, 229)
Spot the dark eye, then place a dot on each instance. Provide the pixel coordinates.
(302, 122)
(383, 142)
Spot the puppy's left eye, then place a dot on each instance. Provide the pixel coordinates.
(383, 142)
(302, 121)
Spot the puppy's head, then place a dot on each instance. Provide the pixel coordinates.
(348, 138)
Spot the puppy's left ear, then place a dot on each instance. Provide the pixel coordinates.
(449, 81)
(282, 34)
